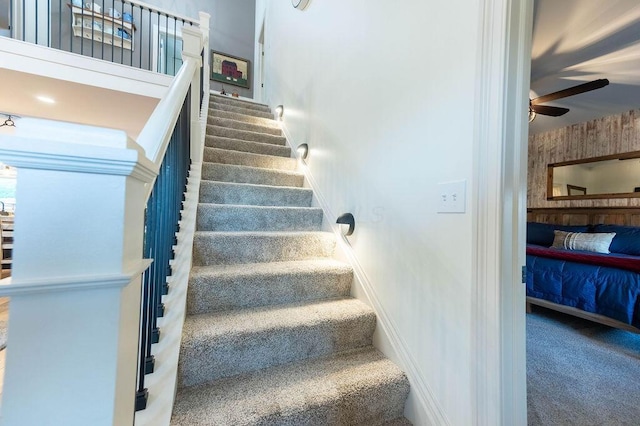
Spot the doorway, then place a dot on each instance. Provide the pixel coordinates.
(167, 50)
(261, 67)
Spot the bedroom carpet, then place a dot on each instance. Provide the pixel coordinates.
(581, 373)
(272, 336)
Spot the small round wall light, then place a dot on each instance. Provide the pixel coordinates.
(303, 151)
(300, 4)
(279, 111)
(347, 224)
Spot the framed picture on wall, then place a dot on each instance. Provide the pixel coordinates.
(230, 69)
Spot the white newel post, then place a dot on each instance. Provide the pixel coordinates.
(192, 46)
(75, 291)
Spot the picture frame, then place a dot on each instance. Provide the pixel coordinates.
(576, 190)
(229, 69)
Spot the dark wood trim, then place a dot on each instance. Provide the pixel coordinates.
(625, 156)
(629, 216)
(594, 196)
(601, 319)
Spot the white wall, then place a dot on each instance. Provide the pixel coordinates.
(383, 93)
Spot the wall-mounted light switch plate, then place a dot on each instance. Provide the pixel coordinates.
(452, 197)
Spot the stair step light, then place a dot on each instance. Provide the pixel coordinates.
(279, 112)
(347, 224)
(303, 151)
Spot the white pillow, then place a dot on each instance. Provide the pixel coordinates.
(597, 242)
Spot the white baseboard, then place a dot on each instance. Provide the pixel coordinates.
(422, 407)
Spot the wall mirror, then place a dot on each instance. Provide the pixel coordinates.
(611, 176)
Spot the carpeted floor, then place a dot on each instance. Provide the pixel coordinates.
(581, 373)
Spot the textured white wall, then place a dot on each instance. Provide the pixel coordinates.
(231, 30)
(383, 93)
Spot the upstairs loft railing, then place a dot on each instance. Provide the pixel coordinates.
(127, 32)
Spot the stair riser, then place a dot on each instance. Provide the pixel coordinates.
(240, 218)
(239, 103)
(223, 156)
(213, 293)
(357, 388)
(236, 354)
(241, 125)
(372, 406)
(244, 146)
(245, 135)
(224, 249)
(243, 111)
(248, 175)
(248, 195)
(267, 122)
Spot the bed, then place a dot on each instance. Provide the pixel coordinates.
(602, 287)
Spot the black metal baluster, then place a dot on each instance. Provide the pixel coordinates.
(48, 23)
(82, 30)
(122, 34)
(166, 39)
(36, 23)
(104, 22)
(72, 20)
(60, 24)
(149, 63)
(159, 49)
(131, 37)
(175, 28)
(140, 37)
(93, 27)
(114, 31)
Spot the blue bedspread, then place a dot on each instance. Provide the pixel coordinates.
(607, 291)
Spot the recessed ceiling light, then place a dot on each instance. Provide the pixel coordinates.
(46, 99)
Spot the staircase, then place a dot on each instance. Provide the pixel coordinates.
(272, 336)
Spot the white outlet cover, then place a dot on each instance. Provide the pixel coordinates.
(452, 197)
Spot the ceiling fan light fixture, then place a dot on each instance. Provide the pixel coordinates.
(532, 115)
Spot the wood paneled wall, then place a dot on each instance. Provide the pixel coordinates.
(629, 216)
(604, 136)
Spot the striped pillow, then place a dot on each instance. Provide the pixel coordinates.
(597, 242)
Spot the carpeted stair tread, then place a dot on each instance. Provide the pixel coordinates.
(238, 158)
(217, 106)
(359, 387)
(270, 122)
(228, 343)
(226, 248)
(226, 287)
(247, 146)
(252, 194)
(225, 217)
(241, 125)
(251, 175)
(245, 135)
(239, 103)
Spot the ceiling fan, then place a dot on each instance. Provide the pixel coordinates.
(534, 104)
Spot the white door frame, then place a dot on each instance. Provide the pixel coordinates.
(261, 68)
(156, 48)
(499, 204)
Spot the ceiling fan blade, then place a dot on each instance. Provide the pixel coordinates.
(549, 110)
(575, 90)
